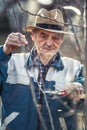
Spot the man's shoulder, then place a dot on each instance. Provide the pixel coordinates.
(67, 61)
(19, 58)
(20, 55)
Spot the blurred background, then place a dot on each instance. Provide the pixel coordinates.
(16, 14)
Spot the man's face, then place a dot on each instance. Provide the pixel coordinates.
(47, 43)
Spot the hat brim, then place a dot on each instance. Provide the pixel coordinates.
(30, 28)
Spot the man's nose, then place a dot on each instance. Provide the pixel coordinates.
(49, 41)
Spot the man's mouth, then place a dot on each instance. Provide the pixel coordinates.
(49, 49)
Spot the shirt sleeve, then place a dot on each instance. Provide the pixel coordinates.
(80, 76)
(3, 60)
(3, 57)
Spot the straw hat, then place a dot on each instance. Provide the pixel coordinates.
(48, 20)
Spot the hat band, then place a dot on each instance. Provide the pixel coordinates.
(49, 26)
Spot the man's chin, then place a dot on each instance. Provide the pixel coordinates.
(48, 54)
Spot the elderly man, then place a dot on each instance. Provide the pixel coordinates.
(37, 86)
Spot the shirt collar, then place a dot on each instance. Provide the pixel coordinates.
(33, 60)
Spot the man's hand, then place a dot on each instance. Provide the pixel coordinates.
(75, 92)
(13, 41)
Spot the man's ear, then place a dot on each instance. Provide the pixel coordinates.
(33, 36)
(61, 41)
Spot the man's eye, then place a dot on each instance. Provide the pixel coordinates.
(55, 38)
(43, 36)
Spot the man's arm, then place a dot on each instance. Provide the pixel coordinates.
(13, 41)
(75, 90)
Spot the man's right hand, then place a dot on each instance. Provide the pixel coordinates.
(75, 92)
(13, 41)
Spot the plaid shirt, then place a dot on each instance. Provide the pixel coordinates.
(42, 73)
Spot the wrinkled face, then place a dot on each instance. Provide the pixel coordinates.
(47, 43)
